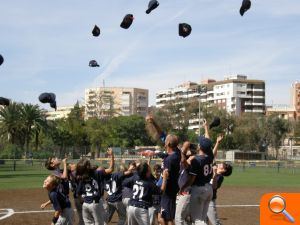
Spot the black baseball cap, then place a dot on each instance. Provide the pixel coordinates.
(1, 60)
(96, 31)
(184, 29)
(153, 4)
(205, 144)
(4, 101)
(127, 21)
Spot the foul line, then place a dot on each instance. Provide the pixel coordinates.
(236, 206)
(9, 212)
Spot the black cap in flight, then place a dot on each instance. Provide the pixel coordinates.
(184, 29)
(246, 5)
(153, 4)
(48, 98)
(1, 60)
(215, 123)
(93, 63)
(4, 101)
(96, 31)
(127, 21)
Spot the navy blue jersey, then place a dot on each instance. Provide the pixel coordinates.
(90, 190)
(156, 198)
(183, 176)
(64, 184)
(201, 167)
(143, 190)
(172, 163)
(113, 186)
(126, 191)
(59, 200)
(220, 179)
(74, 183)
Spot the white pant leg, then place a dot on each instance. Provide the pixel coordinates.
(182, 209)
(200, 198)
(212, 213)
(121, 210)
(131, 220)
(78, 207)
(87, 214)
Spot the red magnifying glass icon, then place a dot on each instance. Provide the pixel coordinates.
(277, 205)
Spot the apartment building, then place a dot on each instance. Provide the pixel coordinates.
(236, 94)
(296, 98)
(115, 101)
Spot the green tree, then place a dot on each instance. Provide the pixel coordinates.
(10, 123)
(33, 120)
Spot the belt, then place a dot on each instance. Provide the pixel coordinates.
(94, 201)
(139, 206)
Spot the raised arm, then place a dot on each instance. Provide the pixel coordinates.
(205, 125)
(111, 163)
(65, 172)
(215, 150)
(150, 120)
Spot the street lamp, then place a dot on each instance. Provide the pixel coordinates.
(201, 89)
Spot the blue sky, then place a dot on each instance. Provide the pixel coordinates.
(47, 45)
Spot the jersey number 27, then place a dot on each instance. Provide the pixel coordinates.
(138, 192)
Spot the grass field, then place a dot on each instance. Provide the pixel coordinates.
(32, 176)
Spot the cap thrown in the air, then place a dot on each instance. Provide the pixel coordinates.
(96, 31)
(127, 21)
(1, 60)
(246, 5)
(4, 101)
(184, 29)
(215, 123)
(153, 4)
(93, 63)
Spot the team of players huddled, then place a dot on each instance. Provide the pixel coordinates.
(182, 190)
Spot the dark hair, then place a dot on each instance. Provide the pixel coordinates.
(228, 170)
(48, 164)
(142, 170)
(132, 163)
(84, 169)
(156, 167)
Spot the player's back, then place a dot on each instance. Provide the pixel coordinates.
(201, 167)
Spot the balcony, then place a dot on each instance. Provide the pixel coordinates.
(254, 103)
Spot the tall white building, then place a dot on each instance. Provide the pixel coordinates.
(114, 101)
(236, 94)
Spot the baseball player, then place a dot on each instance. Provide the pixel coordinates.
(127, 192)
(90, 191)
(200, 175)
(220, 170)
(114, 191)
(53, 164)
(63, 214)
(156, 198)
(172, 164)
(183, 199)
(143, 190)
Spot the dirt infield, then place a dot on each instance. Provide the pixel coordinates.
(22, 201)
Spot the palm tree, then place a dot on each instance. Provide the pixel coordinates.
(33, 121)
(10, 122)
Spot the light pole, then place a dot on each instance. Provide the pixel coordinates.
(201, 89)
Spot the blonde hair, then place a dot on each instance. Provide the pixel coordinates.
(55, 181)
